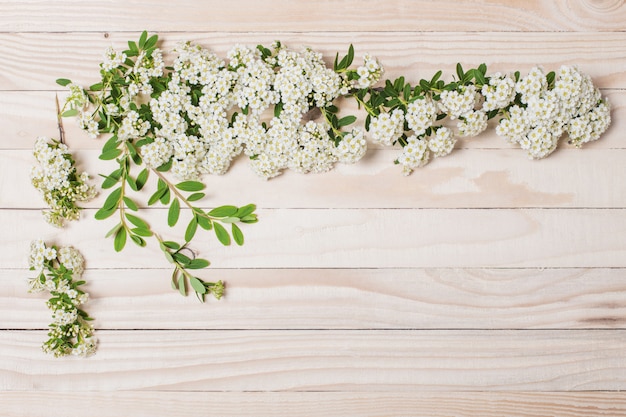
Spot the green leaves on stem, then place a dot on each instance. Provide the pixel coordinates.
(184, 260)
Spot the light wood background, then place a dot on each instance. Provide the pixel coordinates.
(484, 284)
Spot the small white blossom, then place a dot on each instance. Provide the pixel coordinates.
(414, 155)
(442, 142)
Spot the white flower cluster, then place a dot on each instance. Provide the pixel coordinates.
(211, 110)
(573, 106)
(56, 179)
(537, 111)
(59, 271)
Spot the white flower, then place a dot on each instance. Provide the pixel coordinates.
(472, 123)
(442, 142)
(387, 128)
(415, 154)
(458, 102)
(352, 147)
(421, 115)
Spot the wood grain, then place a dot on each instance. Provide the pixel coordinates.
(482, 285)
(33, 61)
(476, 178)
(344, 238)
(323, 360)
(323, 298)
(317, 404)
(337, 16)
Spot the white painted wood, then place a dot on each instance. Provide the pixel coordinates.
(316, 404)
(476, 178)
(344, 238)
(398, 298)
(322, 360)
(286, 15)
(471, 245)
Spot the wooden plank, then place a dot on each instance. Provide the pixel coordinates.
(299, 360)
(399, 298)
(315, 404)
(285, 15)
(476, 178)
(33, 61)
(344, 238)
(28, 115)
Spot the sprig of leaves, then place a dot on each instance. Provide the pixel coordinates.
(106, 102)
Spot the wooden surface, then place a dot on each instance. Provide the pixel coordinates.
(484, 284)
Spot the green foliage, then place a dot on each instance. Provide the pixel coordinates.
(131, 175)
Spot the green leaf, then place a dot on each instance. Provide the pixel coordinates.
(165, 167)
(151, 42)
(173, 213)
(110, 144)
(137, 221)
(120, 240)
(109, 155)
(139, 241)
(191, 229)
(104, 213)
(198, 264)
(156, 196)
(113, 199)
(222, 234)
(63, 82)
(196, 197)
(96, 87)
(181, 286)
(251, 218)
(237, 234)
(132, 46)
(436, 77)
(142, 39)
(142, 178)
(223, 211)
(459, 71)
(181, 259)
(175, 278)
(130, 204)
(165, 198)
(141, 231)
(168, 244)
(345, 121)
(245, 210)
(197, 285)
(230, 220)
(112, 179)
(204, 222)
(113, 230)
(350, 55)
(70, 113)
(190, 186)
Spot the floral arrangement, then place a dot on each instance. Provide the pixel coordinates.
(58, 182)
(173, 123)
(58, 272)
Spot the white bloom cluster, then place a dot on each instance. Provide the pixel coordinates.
(387, 128)
(369, 73)
(421, 115)
(202, 133)
(414, 155)
(56, 179)
(458, 102)
(442, 142)
(59, 271)
(572, 106)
